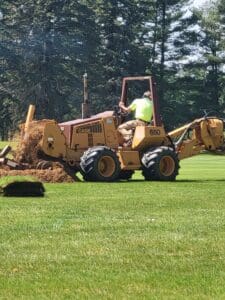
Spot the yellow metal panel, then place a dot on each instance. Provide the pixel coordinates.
(101, 132)
(53, 142)
(98, 139)
(147, 136)
(189, 148)
(73, 157)
(111, 134)
(212, 133)
(88, 135)
(79, 140)
(129, 160)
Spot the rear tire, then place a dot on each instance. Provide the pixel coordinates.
(100, 164)
(160, 164)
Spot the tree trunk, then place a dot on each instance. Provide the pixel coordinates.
(162, 52)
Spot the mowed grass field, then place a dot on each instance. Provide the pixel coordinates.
(127, 240)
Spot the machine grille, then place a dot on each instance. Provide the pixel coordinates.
(94, 128)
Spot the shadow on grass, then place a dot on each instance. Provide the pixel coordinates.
(115, 182)
(199, 180)
(151, 181)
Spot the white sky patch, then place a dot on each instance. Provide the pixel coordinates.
(200, 3)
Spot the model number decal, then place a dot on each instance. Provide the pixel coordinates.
(154, 132)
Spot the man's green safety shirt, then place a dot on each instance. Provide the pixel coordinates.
(143, 109)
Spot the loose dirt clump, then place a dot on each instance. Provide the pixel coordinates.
(28, 148)
(55, 175)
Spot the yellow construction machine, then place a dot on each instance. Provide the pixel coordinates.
(92, 145)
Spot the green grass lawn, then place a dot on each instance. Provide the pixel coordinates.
(128, 240)
(12, 144)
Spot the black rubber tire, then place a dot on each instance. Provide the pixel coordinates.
(126, 174)
(44, 165)
(160, 164)
(100, 164)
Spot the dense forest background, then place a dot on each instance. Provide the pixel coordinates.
(47, 45)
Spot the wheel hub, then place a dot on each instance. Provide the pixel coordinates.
(167, 165)
(106, 166)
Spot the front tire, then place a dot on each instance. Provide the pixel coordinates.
(160, 164)
(100, 164)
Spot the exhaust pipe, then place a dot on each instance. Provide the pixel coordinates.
(85, 104)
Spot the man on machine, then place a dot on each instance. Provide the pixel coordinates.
(143, 108)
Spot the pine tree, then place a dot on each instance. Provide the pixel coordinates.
(122, 51)
(52, 42)
(169, 37)
(211, 42)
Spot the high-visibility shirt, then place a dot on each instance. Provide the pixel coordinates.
(143, 108)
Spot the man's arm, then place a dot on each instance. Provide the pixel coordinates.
(124, 108)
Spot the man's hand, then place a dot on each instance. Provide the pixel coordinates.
(121, 104)
(123, 107)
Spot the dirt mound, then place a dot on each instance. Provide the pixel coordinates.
(28, 148)
(55, 175)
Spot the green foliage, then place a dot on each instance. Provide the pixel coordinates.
(51, 50)
(8, 120)
(46, 47)
(212, 43)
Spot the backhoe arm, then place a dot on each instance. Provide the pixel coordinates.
(201, 134)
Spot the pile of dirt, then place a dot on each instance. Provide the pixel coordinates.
(28, 148)
(55, 175)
